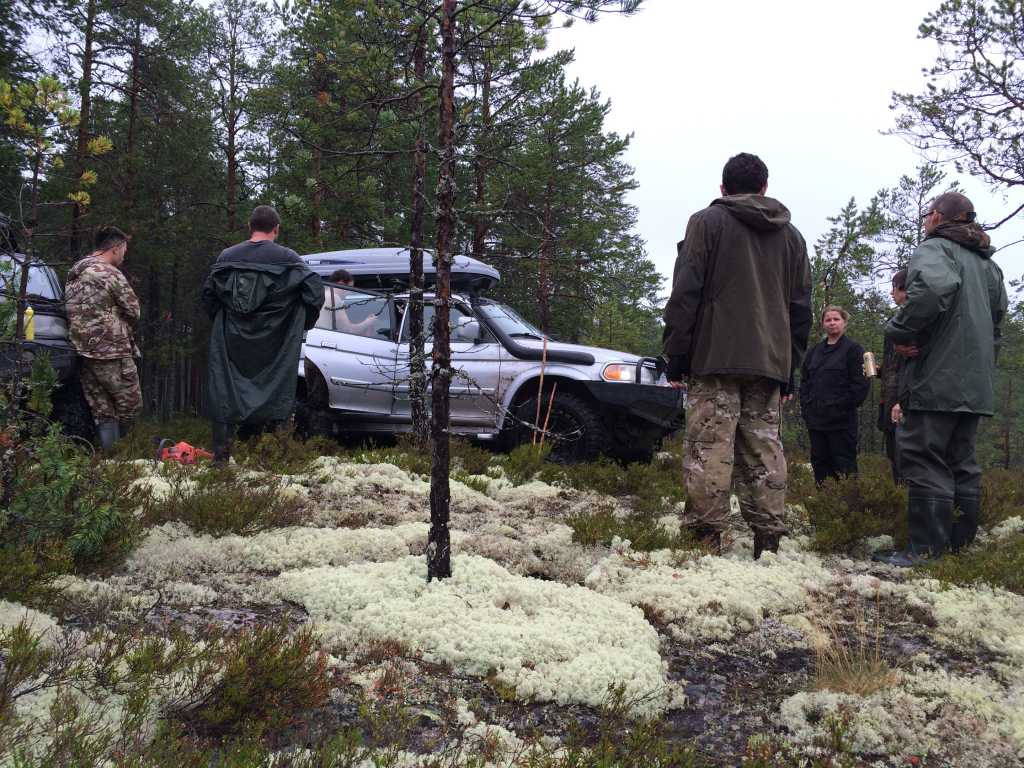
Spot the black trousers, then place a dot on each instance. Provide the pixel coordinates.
(892, 451)
(833, 453)
(936, 453)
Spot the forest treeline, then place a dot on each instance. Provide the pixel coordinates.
(171, 119)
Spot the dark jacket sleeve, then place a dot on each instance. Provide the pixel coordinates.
(312, 298)
(683, 306)
(998, 302)
(800, 316)
(859, 384)
(208, 297)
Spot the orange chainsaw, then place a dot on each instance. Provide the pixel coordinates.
(181, 452)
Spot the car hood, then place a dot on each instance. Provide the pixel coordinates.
(600, 354)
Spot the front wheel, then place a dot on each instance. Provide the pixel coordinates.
(575, 430)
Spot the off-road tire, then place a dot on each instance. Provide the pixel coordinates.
(72, 411)
(570, 415)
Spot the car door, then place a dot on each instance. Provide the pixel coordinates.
(476, 364)
(354, 347)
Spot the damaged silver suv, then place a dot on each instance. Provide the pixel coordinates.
(354, 375)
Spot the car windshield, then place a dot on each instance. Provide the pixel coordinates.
(508, 320)
(38, 280)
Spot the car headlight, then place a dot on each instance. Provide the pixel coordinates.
(619, 372)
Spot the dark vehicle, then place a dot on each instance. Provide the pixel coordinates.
(45, 296)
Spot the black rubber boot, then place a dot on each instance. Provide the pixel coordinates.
(965, 526)
(765, 542)
(108, 433)
(930, 521)
(222, 436)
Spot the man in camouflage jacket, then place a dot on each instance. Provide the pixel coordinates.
(102, 312)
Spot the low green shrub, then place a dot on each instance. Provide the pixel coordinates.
(998, 563)
(645, 534)
(281, 452)
(66, 511)
(850, 509)
(221, 500)
(1002, 497)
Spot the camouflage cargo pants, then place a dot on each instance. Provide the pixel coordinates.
(732, 435)
(112, 388)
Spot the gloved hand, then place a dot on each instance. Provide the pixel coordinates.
(678, 367)
(789, 388)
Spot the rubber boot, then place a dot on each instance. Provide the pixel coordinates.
(965, 527)
(108, 433)
(930, 520)
(765, 542)
(222, 435)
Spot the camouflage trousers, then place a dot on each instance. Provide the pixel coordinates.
(732, 436)
(112, 388)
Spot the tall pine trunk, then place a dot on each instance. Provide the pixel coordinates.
(417, 355)
(482, 224)
(84, 109)
(439, 564)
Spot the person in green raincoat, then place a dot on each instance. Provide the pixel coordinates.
(261, 298)
(947, 329)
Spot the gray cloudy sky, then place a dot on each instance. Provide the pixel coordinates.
(805, 84)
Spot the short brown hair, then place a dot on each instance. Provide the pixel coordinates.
(954, 207)
(832, 308)
(899, 280)
(264, 219)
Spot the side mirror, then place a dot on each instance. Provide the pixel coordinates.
(469, 330)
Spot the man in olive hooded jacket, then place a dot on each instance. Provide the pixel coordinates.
(948, 329)
(260, 297)
(737, 325)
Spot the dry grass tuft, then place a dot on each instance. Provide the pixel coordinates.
(851, 662)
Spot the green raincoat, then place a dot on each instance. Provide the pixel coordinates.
(956, 300)
(259, 309)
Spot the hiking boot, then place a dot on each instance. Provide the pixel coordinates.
(765, 541)
(965, 527)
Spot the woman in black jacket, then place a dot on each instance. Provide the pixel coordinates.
(832, 387)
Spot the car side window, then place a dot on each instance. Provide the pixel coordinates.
(360, 314)
(464, 327)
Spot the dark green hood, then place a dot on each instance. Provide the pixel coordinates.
(259, 313)
(765, 214)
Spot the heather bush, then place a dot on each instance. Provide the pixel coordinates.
(850, 509)
(281, 452)
(1002, 496)
(220, 501)
(600, 525)
(999, 563)
(66, 511)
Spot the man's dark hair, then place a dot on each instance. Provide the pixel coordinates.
(340, 276)
(899, 280)
(744, 174)
(108, 237)
(264, 219)
(954, 207)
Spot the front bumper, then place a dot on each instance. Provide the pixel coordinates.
(660, 407)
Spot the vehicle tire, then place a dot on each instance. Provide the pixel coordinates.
(72, 412)
(576, 431)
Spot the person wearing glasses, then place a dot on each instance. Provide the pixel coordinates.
(948, 330)
(261, 298)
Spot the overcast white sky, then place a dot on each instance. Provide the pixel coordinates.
(804, 84)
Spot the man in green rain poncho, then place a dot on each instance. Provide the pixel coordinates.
(261, 297)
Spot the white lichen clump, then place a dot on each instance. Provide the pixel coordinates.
(550, 641)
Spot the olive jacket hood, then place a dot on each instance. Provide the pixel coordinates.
(741, 292)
